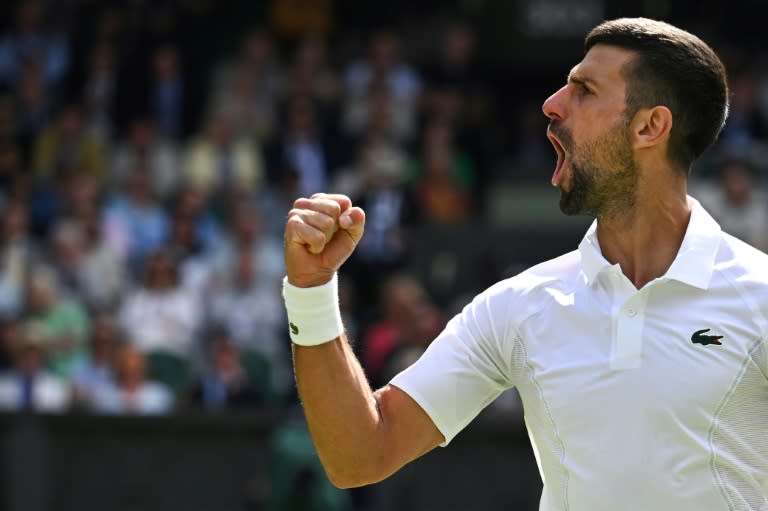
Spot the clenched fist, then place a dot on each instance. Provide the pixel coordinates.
(320, 234)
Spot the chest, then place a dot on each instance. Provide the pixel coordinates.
(662, 354)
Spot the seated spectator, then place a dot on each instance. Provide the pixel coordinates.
(30, 39)
(161, 319)
(98, 91)
(134, 223)
(97, 370)
(227, 384)
(218, 161)
(310, 73)
(101, 272)
(28, 385)
(386, 75)
(64, 147)
(301, 146)
(256, 66)
(170, 101)
(250, 311)
(132, 393)
(66, 254)
(739, 204)
(61, 322)
(160, 315)
(247, 233)
(187, 250)
(196, 205)
(442, 177)
(252, 113)
(401, 298)
(144, 148)
(18, 253)
(381, 191)
(35, 105)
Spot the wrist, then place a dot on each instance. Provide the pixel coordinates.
(309, 281)
(313, 312)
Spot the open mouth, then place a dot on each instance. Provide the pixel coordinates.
(560, 150)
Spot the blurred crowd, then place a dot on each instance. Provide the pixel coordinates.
(145, 175)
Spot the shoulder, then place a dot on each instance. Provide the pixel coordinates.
(745, 269)
(742, 259)
(521, 295)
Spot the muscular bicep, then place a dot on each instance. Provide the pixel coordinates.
(408, 430)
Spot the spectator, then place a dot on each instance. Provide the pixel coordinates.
(226, 383)
(135, 224)
(218, 161)
(35, 106)
(61, 322)
(97, 370)
(162, 320)
(389, 208)
(745, 122)
(311, 75)
(169, 94)
(187, 250)
(443, 177)
(18, 252)
(144, 148)
(66, 255)
(30, 41)
(98, 92)
(250, 311)
(739, 204)
(132, 393)
(29, 386)
(256, 65)
(247, 235)
(252, 114)
(101, 273)
(382, 77)
(196, 205)
(401, 297)
(64, 147)
(301, 146)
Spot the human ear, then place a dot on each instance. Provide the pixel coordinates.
(650, 127)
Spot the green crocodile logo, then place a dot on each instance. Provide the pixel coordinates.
(294, 329)
(698, 337)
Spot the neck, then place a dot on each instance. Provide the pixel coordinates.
(645, 240)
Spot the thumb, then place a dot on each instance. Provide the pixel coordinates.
(353, 222)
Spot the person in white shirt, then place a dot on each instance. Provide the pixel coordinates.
(640, 358)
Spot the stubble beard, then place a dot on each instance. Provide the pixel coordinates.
(603, 176)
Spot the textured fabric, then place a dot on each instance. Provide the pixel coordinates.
(634, 399)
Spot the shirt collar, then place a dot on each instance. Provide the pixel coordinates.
(694, 262)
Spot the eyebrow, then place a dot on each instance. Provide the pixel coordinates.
(580, 80)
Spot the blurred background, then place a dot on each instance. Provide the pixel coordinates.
(149, 152)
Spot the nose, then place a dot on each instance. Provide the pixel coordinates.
(554, 106)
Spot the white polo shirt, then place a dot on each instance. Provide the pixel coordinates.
(624, 410)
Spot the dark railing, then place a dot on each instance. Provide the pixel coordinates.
(196, 462)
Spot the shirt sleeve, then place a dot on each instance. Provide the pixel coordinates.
(466, 367)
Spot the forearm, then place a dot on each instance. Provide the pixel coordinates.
(342, 413)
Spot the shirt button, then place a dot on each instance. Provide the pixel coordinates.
(631, 311)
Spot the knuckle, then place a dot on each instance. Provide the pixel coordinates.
(327, 223)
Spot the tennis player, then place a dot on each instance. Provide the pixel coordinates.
(641, 357)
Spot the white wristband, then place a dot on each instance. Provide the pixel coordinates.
(313, 312)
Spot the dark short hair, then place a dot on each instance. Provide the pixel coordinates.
(676, 69)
